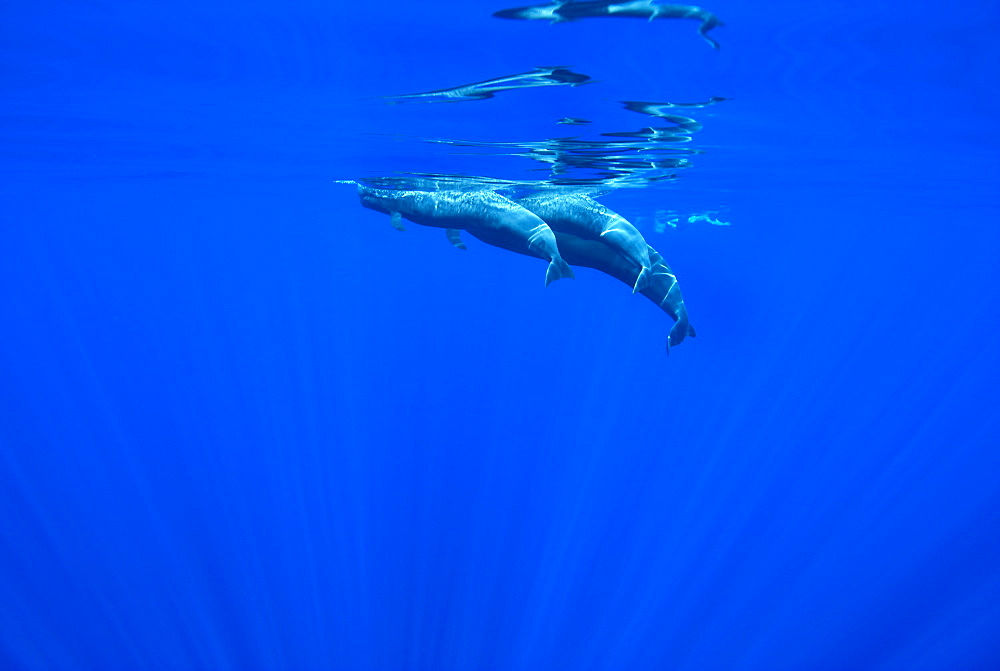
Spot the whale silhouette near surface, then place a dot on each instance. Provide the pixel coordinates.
(487, 215)
(563, 11)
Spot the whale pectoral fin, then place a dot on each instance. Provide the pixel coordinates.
(396, 219)
(643, 280)
(557, 270)
(455, 238)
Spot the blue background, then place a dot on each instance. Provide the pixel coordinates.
(245, 424)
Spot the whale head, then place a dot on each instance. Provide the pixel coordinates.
(374, 199)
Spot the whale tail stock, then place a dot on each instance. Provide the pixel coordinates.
(681, 329)
(557, 270)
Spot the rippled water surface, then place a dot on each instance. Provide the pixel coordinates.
(246, 424)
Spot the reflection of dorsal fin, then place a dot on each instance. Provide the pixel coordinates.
(455, 237)
(559, 4)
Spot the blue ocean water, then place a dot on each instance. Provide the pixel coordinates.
(246, 424)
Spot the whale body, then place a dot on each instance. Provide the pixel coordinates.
(662, 290)
(579, 215)
(487, 215)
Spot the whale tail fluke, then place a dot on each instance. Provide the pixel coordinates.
(643, 280)
(557, 270)
(681, 329)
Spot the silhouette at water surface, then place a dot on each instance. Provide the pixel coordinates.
(562, 12)
(551, 76)
(657, 109)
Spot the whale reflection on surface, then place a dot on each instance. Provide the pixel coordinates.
(656, 109)
(551, 76)
(632, 158)
(563, 11)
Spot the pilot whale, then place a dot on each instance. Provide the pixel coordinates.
(485, 214)
(582, 216)
(566, 10)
